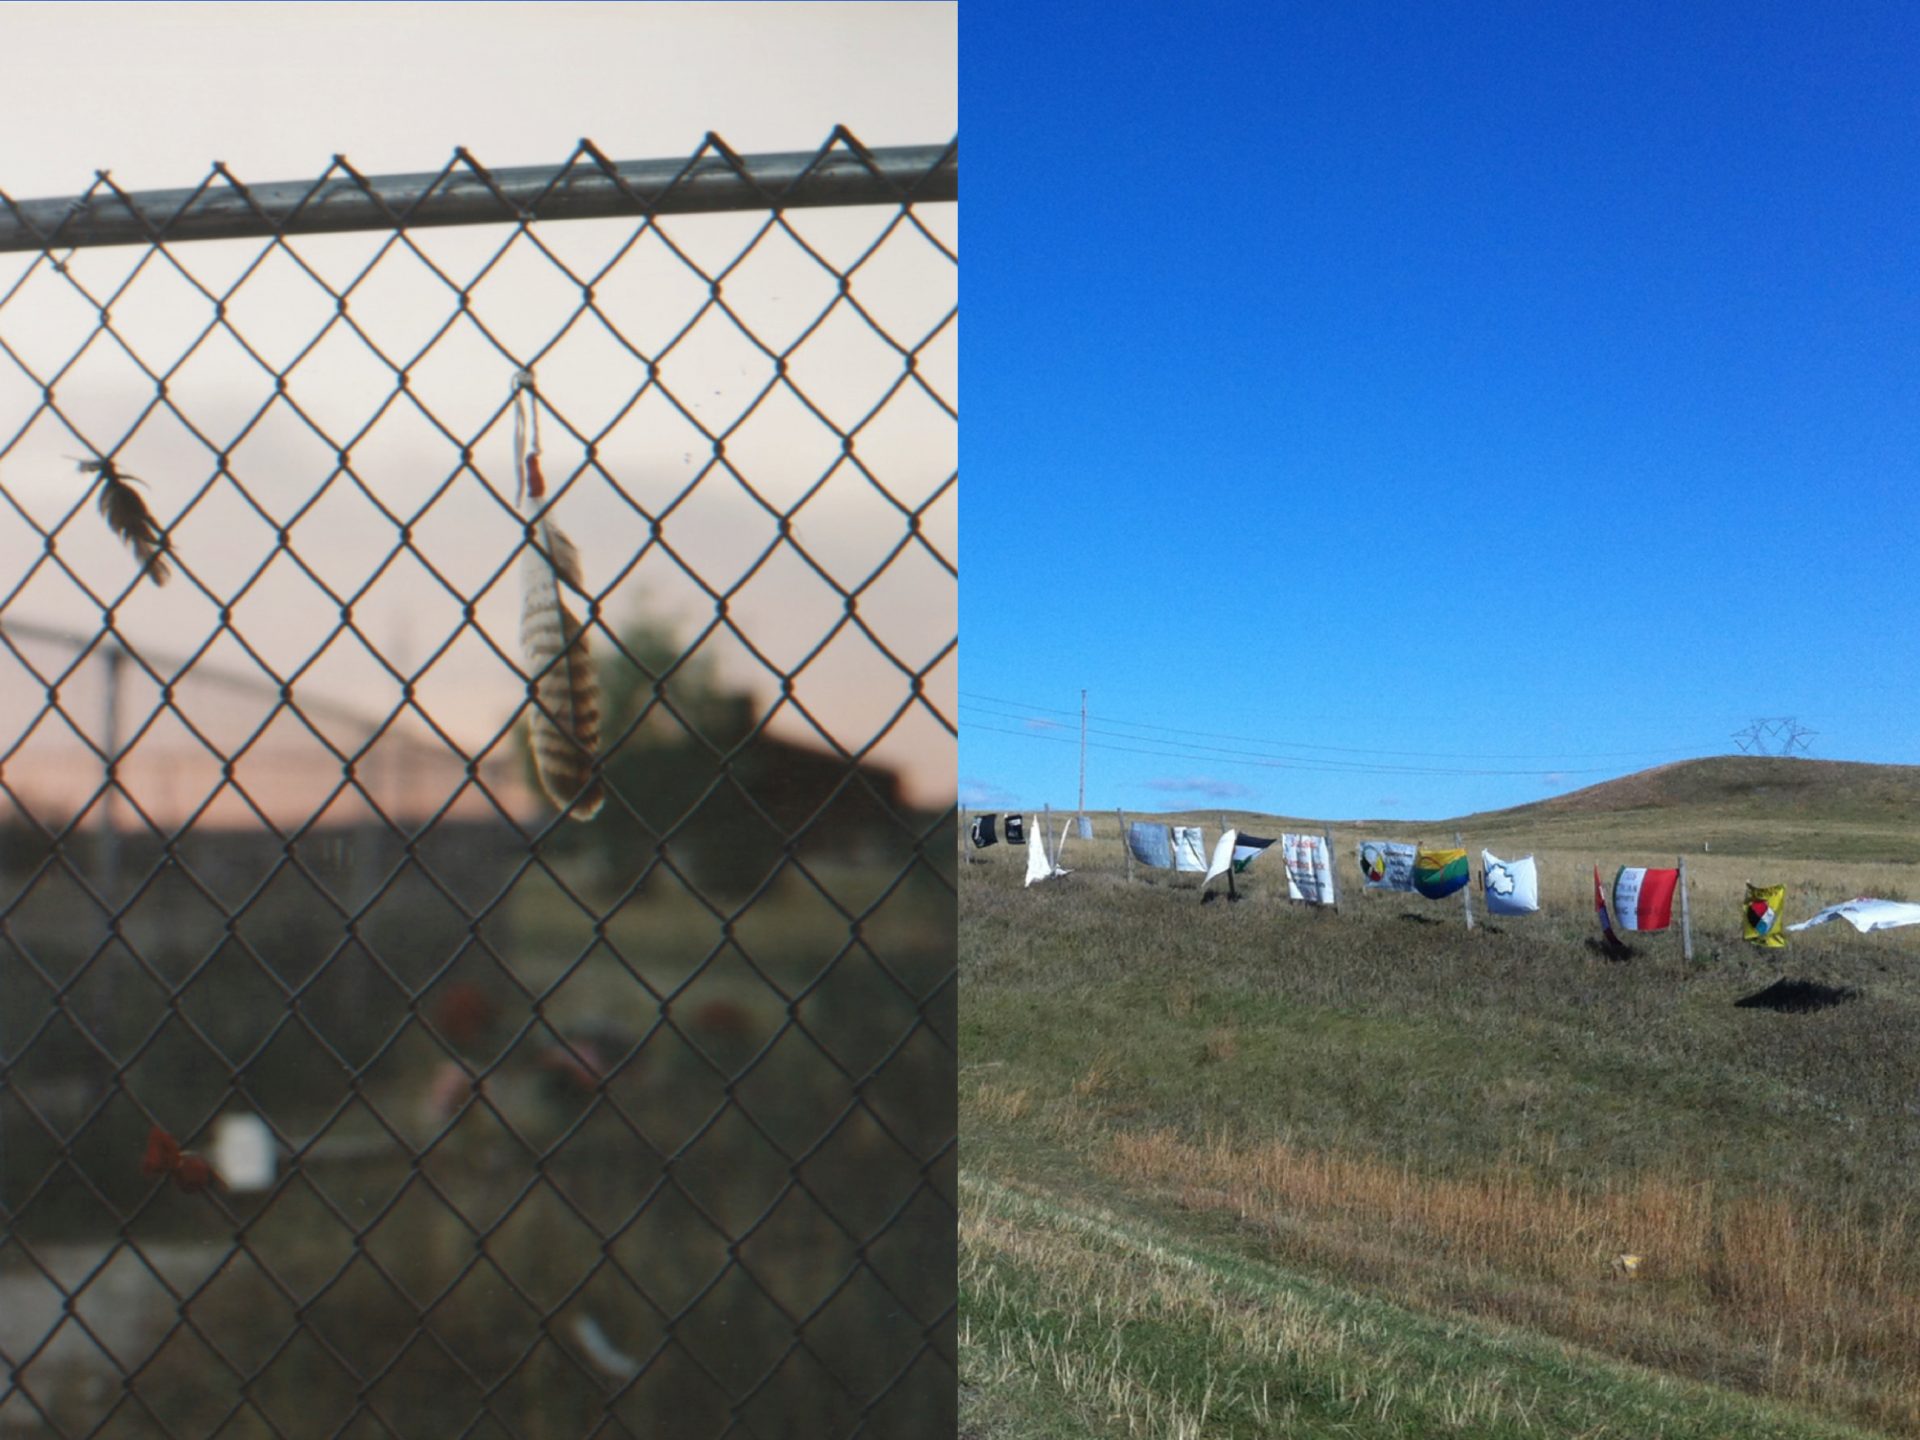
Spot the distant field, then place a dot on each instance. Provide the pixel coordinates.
(1468, 1128)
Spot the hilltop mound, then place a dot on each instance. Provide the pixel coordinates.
(1841, 788)
(1739, 804)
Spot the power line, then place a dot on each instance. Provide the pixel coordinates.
(1333, 749)
(1274, 762)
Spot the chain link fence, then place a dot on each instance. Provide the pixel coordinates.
(348, 1087)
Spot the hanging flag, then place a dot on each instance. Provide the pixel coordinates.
(1600, 909)
(1016, 831)
(1085, 830)
(1512, 886)
(1439, 873)
(1309, 861)
(1245, 849)
(1189, 849)
(1151, 844)
(1761, 919)
(1865, 913)
(981, 833)
(1643, 898)
(1386, 865)
(1039, 867)
(1222, 861)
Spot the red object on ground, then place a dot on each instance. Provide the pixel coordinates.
(163, 1154)
(188, 1171)
(193, 1175)
(722, 1017)
(463, 1013)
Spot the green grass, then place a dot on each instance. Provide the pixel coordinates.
(1099, 1011)
(1078, 1321)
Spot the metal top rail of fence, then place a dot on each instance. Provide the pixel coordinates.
(477, 656)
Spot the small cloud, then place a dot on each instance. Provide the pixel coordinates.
(1202, 785)
(1043, 724)
(1553, 780)
(979, 792)
(1390, 802)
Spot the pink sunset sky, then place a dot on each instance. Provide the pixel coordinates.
(157, 94)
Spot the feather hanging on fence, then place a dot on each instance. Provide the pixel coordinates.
(127, 516)
(563, 691)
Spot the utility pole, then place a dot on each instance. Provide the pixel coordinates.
(1083, 752)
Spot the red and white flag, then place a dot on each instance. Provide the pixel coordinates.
(1643, 898)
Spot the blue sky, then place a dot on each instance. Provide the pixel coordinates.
(1416, 409)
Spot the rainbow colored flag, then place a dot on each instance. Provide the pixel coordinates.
(1439, 873)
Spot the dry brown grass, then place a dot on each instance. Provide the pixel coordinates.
(1832, 1303)
(1220, 1046)
(1097, 1080)
(1004, 1106)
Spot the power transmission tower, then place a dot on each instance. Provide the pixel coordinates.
(1774, 735)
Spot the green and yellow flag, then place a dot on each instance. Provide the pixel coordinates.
(1438, 873)
(1765, 916)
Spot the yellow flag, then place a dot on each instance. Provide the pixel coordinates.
(1765, 916)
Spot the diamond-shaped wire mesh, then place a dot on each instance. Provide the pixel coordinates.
(489, 1121)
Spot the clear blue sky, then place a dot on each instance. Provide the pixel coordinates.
(1478, 381)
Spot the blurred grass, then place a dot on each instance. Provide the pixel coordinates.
(755, 1205)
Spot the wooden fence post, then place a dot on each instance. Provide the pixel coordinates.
(1466, 892)
(1686, 914)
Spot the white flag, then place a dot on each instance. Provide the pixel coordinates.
(1387, 864)
(1512, 886)
(1309, 861)
(1039, 867)
(1222, 860)
(1866, 914)
(1189, 848)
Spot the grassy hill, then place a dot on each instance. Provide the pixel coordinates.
(1743, 805)
(1739, 805)
(1469, 1127)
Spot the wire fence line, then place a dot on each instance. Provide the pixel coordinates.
(350, 1082)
